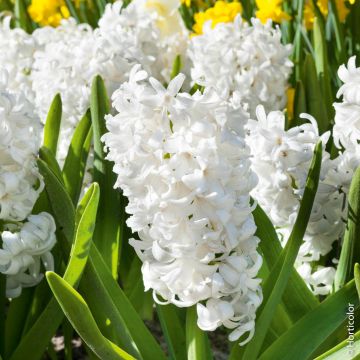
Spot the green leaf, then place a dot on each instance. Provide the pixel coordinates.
(68, 333)
(6, 5)
(100, 4)
(342, 350)
(48, 157)
(2, 309)
(75, 162)
(340, 48)
(314, 100)
(22, 19)
(111, 208)
(133, 286)
(72, 9)
(302, 340)
(41, 297)
(52, 125)
(47, 323)
(276, 282)
(61, 203)
(16, 317)
(173, 331)
(350, 252)
(78, 313)
(85, 225)
(102, 292)
(176, 67)
(357, 277)
(297, 298)
(299, 102)
(322, 68)
(197, 343)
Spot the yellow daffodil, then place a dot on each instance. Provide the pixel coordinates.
(271, 9)
(48, 12)
(186, 2)
(221, 12)
(198, 3)
(309, 14)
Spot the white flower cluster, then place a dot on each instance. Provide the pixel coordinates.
(24, 248)
(246, 63)
(281, 159)
(23, 245)
(346, 130)
(347, 118)
(16, 57)
(183, 163)
(65, 59)
(20, 183)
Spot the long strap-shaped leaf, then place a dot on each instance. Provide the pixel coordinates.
(22, 19)
(61, 203)
(75, 162)
(357, 278)
(52, 124)
(101, 290)
(350, 252)
(343, 351)
(38, 337)
(2, 310)
(314, 99)
(97, 284)
(108, 224)
(302, 340)
(197, 342)
(275, 284)
(297, 299)
(48, 157)
(173, 331)
(322, 68)
(16, 318)
(78, 313)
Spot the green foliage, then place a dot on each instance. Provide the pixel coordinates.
(111, 209)
(48, 321)
(197, 342)
(350, 252)
(276, 282)
(93, 256)
(77, 311)
(52, 125)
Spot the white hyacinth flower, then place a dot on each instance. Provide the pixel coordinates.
(24, 250)
(347, 113)
(16, 57)
(183, 164)
(20, 182)
(281, 159)
(247, 63)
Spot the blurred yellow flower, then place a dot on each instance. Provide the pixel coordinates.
(309, 14)
(48, 12)
(222, 12)
(290, 92)
(167, 15)
(271, 9)
(198, 3)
